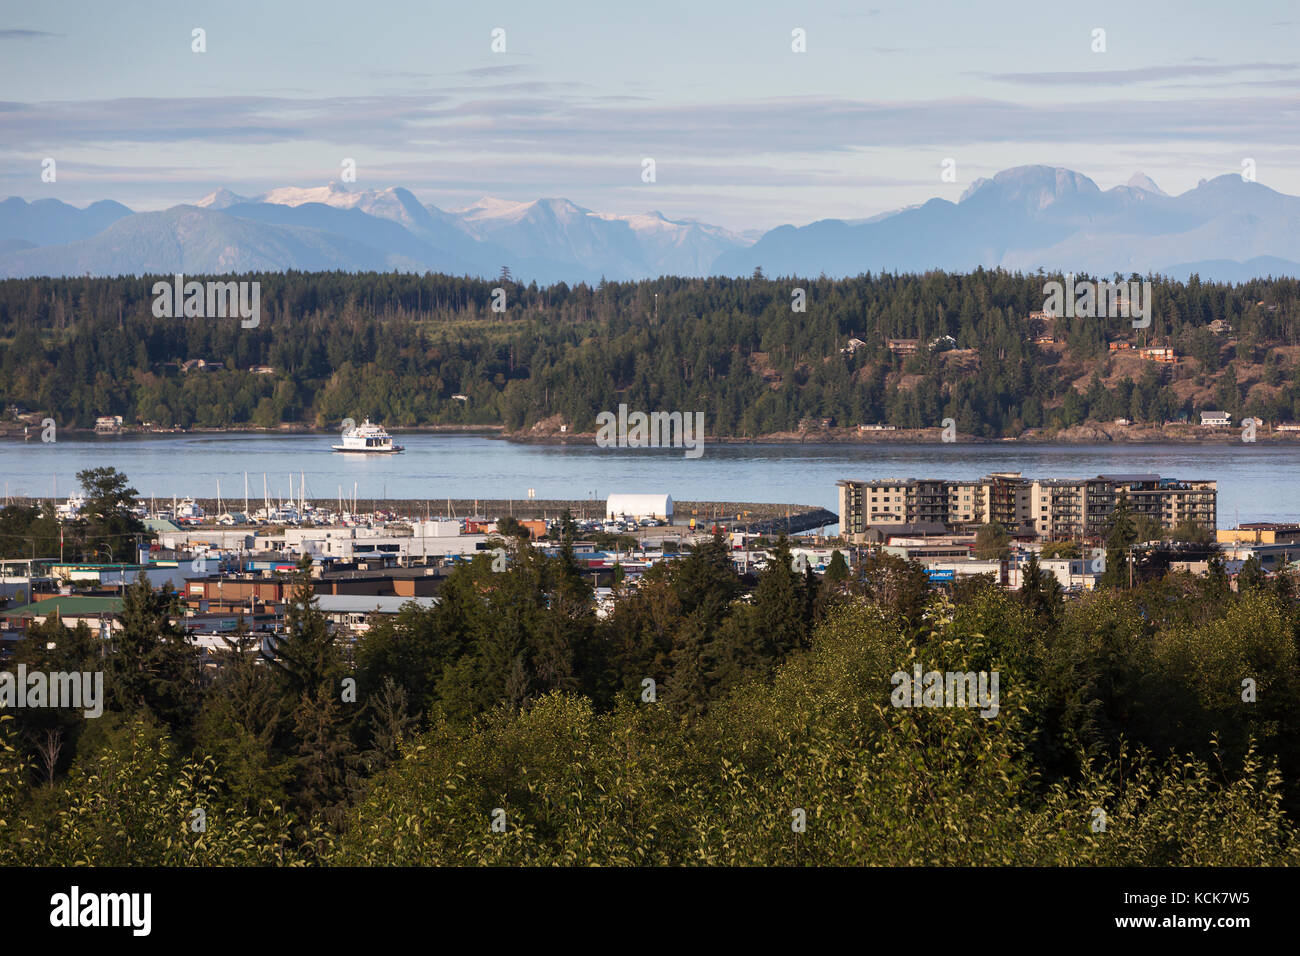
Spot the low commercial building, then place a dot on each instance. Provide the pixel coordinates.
(101, 614)
(16, 589)
(535, 527)
(353, 614)
(1070, 573)
(639, 506)
(1262, 532)
(235, 593)
(1271, 557)
(927, 552)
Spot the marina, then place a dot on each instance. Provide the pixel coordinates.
(1255, 482)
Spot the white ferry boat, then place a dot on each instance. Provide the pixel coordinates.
(368, 438)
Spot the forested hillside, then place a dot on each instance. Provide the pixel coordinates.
(421, 350)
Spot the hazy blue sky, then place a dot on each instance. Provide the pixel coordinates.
(744, 132)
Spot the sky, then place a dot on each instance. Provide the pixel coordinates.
(744, 131)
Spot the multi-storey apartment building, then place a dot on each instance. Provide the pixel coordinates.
(1050, 508)
(928, 501)
(1006, 496)
(893, 504)
(967, 503)
(1057, 507)
(1189, 501)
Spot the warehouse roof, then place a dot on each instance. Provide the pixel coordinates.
(366, 603)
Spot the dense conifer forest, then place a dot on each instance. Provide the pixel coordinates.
(412, 350)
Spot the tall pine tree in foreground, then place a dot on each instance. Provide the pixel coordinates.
(152, 666)
(320, 706)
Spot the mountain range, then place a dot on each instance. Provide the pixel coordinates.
(1024, 218)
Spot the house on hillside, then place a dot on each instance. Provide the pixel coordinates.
(1216, 419)
(1040, 327)
(201, 365)
(1220, 327)
(1159, 353)
(902, 346)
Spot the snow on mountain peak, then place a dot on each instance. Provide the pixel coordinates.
(332, 194)
(220, 199)
(490, 207)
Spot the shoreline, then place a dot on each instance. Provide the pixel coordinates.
(1191, 435)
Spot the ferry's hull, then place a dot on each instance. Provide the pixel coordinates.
(369, 451)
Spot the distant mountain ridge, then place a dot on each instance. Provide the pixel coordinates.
(48, 222)
(332, 227)
(1024, 218)
(1032, 217)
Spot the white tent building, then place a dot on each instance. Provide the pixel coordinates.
(639, 506)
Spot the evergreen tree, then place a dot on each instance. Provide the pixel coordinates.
(106, 523)
(311, 674)
(152, 666)
(1040, 591)
(242, 723)
(779, 613)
